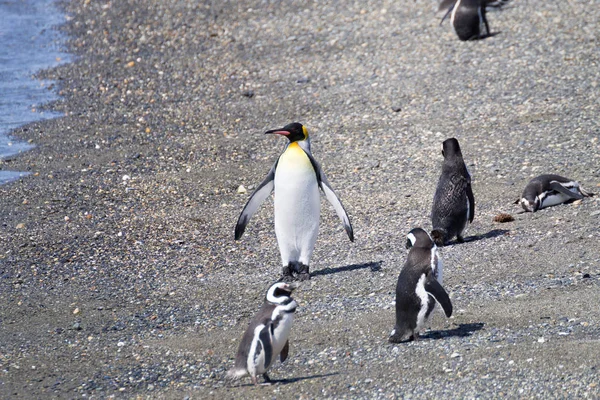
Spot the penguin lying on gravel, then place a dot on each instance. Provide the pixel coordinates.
(267, 335)
(296, 178)
(419, 287)
(453, 202)
(468, 16)
(549, 190)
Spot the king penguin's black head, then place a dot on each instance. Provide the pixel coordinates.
(294, 132)
(451, 149)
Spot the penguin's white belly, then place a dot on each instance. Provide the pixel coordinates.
(554, 199)
(281, 334)
(297, 205)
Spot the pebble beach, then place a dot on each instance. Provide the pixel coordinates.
(119, 273)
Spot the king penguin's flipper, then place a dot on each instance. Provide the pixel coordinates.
(332, 197)
(260, 194)
(557, 186)
(284, 352)
(471, 202)
(435, 290)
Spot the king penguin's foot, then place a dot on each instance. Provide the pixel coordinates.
(460, 239)
(303, 272)
(287, 273)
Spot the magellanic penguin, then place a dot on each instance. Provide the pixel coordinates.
(468, 17)
(267, 335)
(453, 202)
(296, 178)
(549, 190)
(419, 287)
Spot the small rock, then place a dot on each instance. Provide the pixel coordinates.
(76, 311)
(454, 355)
(20, 226)
(241, 189)
(541, 340)
(396, 108)
(304, 79)
(248, 93)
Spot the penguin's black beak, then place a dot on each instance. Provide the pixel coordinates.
(277, 132)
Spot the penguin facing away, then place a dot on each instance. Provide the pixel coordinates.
(418, 289)
(453, 201)
(266, 337)
(296, 178)
(468, 17)
(549, 190)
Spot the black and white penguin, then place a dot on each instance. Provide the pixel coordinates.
(296, 178)
(267, 335)
(419, 287)
(549, 190)
(468, 17)
(453, 202)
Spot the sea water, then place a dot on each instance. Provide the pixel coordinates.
(29, 42)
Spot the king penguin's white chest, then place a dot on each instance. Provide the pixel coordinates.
(297, 202)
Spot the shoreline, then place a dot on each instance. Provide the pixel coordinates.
(119, 275)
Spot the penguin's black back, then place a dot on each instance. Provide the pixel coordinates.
(263, 316)
(467, 22)
(449, 210)
(408, 303)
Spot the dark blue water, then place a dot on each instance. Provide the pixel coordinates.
(29, 42)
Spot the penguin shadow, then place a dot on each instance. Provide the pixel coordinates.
(491, 234)
(287, 381)
(374, 266)
(463, 330)
(301, 378)
(489, 35)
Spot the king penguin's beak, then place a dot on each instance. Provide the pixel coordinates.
(293, 285)
(277, 132)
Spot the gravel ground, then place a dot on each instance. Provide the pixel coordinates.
(119, 275)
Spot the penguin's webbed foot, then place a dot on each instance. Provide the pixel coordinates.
(303, 272)
(460, 239)
(287, 273)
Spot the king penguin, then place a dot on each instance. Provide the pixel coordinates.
(468, 17)
(296, 178)
(549, 190)
(267, 335)
(419, 287)
(453, 202)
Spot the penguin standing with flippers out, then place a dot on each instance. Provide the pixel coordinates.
(296, 178)
(419, 287)
(453, 202)
(468, 17)
(549, 190)
(267, 335)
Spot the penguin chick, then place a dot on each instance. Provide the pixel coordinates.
(296, 178)
(418, 289)
(267, 335)
(549, 190)
(468, 17)
(453, 202)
